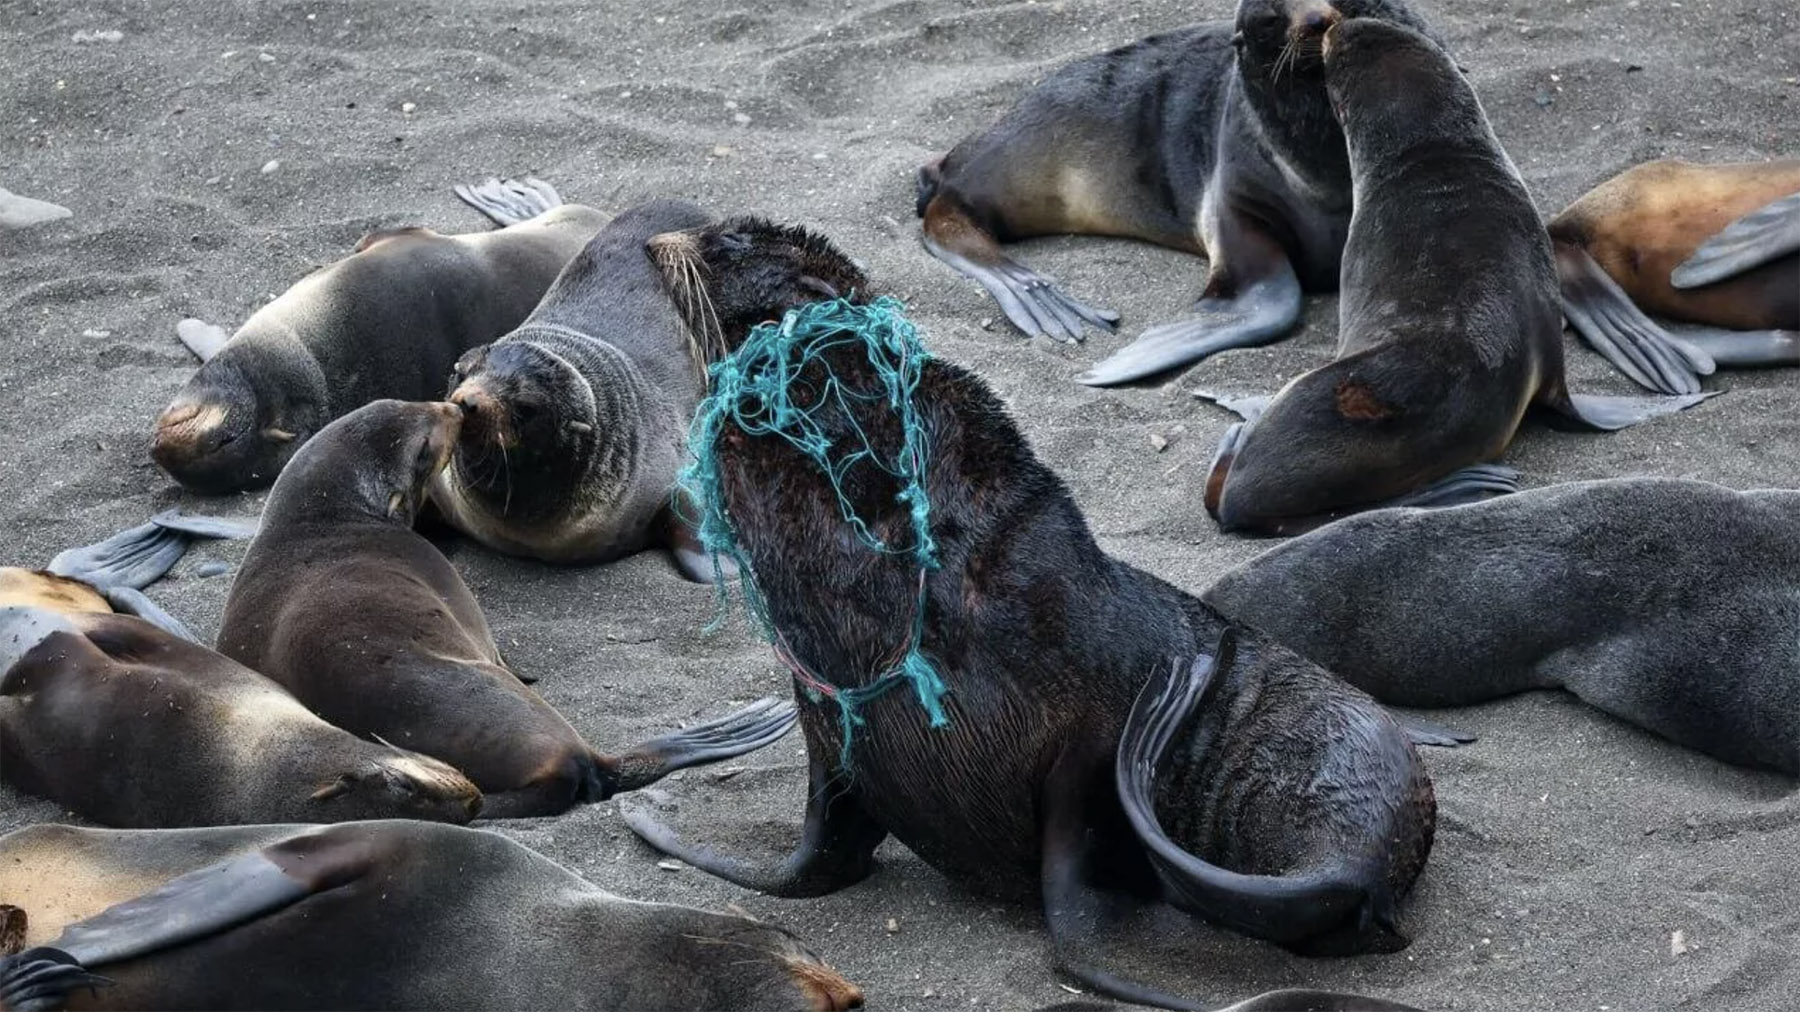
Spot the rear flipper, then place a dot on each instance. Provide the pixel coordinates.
(127, 601)
(1741, 348)
(1426, 732)
(1751, 241)
(1030, 300)
(755, 726)
(140, 556)
(1614, 326)
(1259, 314)
(1289, 910)
(691, 558)
(1470, 484)
(510, 201)
(42, 979)
(1308, 1000)
(1598, 413)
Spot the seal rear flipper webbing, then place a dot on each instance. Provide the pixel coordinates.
(1764, 234)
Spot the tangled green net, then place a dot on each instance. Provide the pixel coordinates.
(753, 390)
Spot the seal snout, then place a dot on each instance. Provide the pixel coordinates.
(1311, 21)
(480, 415)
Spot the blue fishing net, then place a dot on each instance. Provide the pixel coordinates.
(754, 390)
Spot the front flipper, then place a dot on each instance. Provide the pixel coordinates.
(755, 726)
(1426, 732)
(1249, 407)
(1470, 484)
(1597, 413)
(691, 558)
(837, 844)
(216, 528)
(1614, 326)
(203, 339)
(1030, 300)
(1751, 241)
(1280, 908)
(43, 978)
(1252, 297)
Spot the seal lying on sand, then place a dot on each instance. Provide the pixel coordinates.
(1716, 247)
(1216, 139)
(387, 321)
(576, 422)
(398, 915)
(1666, 603)
(367, 624)
(128, 725)
(1032, 645)
(1450, 323)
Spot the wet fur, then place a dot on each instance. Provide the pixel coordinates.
(405, 901)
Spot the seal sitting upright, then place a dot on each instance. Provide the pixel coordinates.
(387, 321)
(367, 623)
(1101, 738)
(1450, 321)
(576, 422)
(1216, 139)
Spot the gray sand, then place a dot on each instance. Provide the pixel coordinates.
(1570, 847)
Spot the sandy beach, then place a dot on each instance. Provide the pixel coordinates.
(213, 152)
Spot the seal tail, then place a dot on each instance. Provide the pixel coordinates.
(1287, 909)
(43, 978)
(510, 201)
(1606, 318)
(735, 734)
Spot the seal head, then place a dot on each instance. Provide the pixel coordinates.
(383, 484)
(238, 420)
(529, 418)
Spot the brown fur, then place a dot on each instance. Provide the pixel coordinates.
(39, 589)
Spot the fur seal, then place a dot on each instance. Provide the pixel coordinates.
(398, 915)
(1053, 652)
(129, 725)
(576, 422)
(1450, 326)
(1666, 603)
(1714, 247)
(1215, 139)
(368, 625)
(387, 321)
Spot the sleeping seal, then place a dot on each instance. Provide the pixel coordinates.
(368, 915)
(1106, 739)
(128, 725)
(1216, 139)
(1666, 603)
(387, 321)
(1715, 247)
(368, 625)
(1450, 326)
(576, 422)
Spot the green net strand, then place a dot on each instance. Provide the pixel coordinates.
(754, 389)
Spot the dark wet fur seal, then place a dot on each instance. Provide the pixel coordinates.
(1666, 603)
(129, 725)
(369, 915)
(387, 321)
(1450, 321)
(1714, 250)
(1215, 139)
(367, 623)
(1046, 642)
(577, 420)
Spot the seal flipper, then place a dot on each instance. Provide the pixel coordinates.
(1030, 300)
(43, 978)
(692, 560)
(1426, 732)
(129, 601)
(1600, 311)
(1255, 301)
(755, 726)
(1741, 348)
(1285, 909)
(1460, 487)
(141, 555)
(510, 201)
(1249, 407)
(1599, 413)
(1771, 231)
(837, 843)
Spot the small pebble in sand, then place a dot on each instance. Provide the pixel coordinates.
(91, 332)
(271, 165)
(24, 212)
(1678, 944)
(1544, 99)
(211, 568)
(723, 151)
(669, 865)
(266, 57)
(107, 35)
(408, 107)
(740, 118)
(987, 323)
(1158, 442)
(893, 926)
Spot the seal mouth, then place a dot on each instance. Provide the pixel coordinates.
(483, 418)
